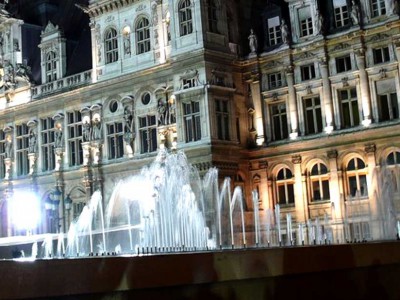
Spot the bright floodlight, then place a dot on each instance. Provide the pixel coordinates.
(25, 210)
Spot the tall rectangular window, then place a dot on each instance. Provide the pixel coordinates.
(115, 140)
(47, 133)
(305, 19)
(388, 107)
(222, 115)
(341, 13)
(381, 55)
(2, 154)
(185, 17)
(212, 16)
(349, 108)
(51, 66)
(307, 72)
(22, 139)
(378, 8)
(111, 45)
(148, 133)
(343, 64)
(279, 121)
(313, 116)
(191, 117)
(274, 31)
(274, 80)
(74, 129)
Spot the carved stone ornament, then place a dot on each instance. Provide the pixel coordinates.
(296, 159)
(370, 148)
(332, 154)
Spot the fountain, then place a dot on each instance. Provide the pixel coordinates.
(169, 209)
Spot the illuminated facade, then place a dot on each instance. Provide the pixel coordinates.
(304, 109)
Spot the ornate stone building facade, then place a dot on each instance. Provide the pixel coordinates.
(286, 98)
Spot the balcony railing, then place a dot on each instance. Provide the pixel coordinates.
(66, 83)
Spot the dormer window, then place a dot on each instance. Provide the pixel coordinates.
(274, 31)
(53, 54)
(305, 19)
(51, 66)
(341, 13)
(378, 8)
(111, 45)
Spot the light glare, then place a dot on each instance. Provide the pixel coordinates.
(25, 210)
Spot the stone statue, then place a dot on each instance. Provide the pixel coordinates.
(393, 7)
(86, 131)
(8, 147)
(171, 112)
(161, 111)
(96, 129)
(32, 140)
(128, 120)
(318, 22)
(284, 32)
(127, 44)
(355, 13)
(58, 138)
(253, 43)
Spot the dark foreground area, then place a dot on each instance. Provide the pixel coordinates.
(351, 271)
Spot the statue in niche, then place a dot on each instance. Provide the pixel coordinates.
(96, 129)
(285, 32)
(32, 140)
(127, 44)
(319, 21)
(8, 147)
(355, 13)
(253, 43)
(172, 112)
(58, 138)
(393, 7)
(86, 131)
(129, 127)
(161, 112)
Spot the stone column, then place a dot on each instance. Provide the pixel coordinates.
(301, 207)
(372, 184)
(334, 187)
(292, 103)
(327, 96)
(96, 48)
(258, 116)
(364, 84)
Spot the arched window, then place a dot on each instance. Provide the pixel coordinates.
(51, 66)
(185, 18)
(393, 165)
(111, 45)
(357, 178)
(212, 16)
(143, 36)
(319, 181)
(393, 158)
(285, 187)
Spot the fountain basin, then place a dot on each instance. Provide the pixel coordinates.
(351, 270)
